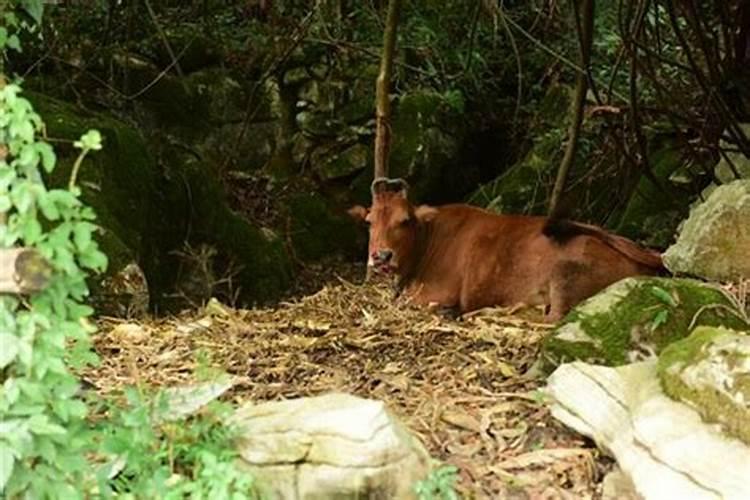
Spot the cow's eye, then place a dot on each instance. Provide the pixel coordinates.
(405, 222)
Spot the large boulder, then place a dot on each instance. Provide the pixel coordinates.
(428, 134)
(732, 165)
(710, 370)
(636, 318)
(330, 446)
(318, 231)
(663, 446)
(714, 242)
(120, 182)
(521, 188)
(653, 210)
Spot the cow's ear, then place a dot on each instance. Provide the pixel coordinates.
(357, 212)
(425, 213)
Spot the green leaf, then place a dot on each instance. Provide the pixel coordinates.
(659, 319)
(47, 154)
(9, 347)
(35, 8)
(6, 465)
(91, 140)
(11, 390)
(663, 296)
(82, 235)
(96, 261)
(31, 232)
(13, 43)
(49, 208)
(4, 203)
(41, 426)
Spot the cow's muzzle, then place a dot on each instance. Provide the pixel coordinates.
(382, 261)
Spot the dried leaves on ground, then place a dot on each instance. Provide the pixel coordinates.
(463, 386)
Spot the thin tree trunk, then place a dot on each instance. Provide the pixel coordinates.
(382, 88)
(586, 38)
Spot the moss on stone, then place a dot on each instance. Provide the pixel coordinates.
(119, 182)
(637, 316)
(318, 232)
(710, 370)
(427, 135)
(650, 214)
(266, 269)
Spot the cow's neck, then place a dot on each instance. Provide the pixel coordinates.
(417, 262)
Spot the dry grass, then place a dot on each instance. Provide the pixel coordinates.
(459, 385)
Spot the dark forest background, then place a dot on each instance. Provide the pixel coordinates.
(236, 133)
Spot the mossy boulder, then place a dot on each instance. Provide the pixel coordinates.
(338, 163)
(714, 242)
(732, 165)
(318, 230)
(265, 266)
(637, 317)
(428, 133)
(710, 371)
(120, 182)
(522, 187)
(652, 215)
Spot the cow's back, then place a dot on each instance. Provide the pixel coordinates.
(475, 258)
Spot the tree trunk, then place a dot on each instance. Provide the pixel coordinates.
(382, 101)
(586, 37)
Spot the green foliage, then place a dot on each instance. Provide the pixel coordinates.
(439, 485)
(47, 439)
(169, 459)
(42, 419)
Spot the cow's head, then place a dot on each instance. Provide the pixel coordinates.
(394, 225)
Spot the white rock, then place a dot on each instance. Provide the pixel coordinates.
(331, 446)
(663, 446)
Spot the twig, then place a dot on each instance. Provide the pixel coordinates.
(163, 37)
(517, 55)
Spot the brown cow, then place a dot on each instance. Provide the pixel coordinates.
(461, 258)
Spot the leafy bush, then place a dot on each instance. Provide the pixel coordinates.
(48, 444)
(439, 485)
(45, 436)
(159, 458)
(43, 428)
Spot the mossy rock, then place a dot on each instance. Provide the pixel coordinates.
(710, 371)
(427, 138)
(334, 164)
(197, 50)
(318, 231)
(523, 187)
(120, 182)
(732, 165)
(714, 242)
(635, 317)
(517, 191)
(651, 215)
(266, 270)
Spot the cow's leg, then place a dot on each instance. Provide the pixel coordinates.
(568, 284)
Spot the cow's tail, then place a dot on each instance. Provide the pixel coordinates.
(561, 230)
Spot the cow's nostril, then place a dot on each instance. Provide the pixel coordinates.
(385, 255)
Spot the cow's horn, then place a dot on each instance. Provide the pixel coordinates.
(383, 184)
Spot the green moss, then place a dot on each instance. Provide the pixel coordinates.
(723, 398)
(120, 182)
(650, 213)
(634, 315)
(517, 190)
(266, 270)
(317, 231)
